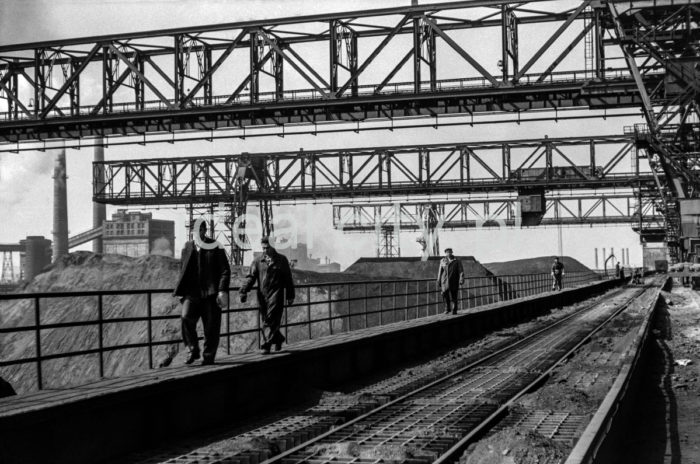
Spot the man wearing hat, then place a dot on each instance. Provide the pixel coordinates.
(273, 276)
(450, 278)
(203, 290)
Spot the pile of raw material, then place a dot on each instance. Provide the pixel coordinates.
(86, 271)
(513, 446)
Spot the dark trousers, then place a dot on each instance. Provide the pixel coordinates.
(556, 282)
(450, 297)
(271, 310)
(192, 309)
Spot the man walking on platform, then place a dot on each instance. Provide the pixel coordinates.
(273, 276)
(450, 278)
(203, 290)
(557, 273)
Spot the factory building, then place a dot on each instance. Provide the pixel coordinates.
(133, 233)
(299, 258)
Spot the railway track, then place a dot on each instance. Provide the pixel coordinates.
(423, 420)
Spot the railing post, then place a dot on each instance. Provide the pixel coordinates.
(480, 297)
(330, 311)
(366, 315)
(308, 309)
(405, 306)
(258, 317)
(228, 322)
(460, 297)
(37, 339)
(469, 299)
(150, 330)
(286, 317)
(100, 335)
(417, 299)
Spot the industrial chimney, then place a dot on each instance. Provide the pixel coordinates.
(60, 207)
(99, 210)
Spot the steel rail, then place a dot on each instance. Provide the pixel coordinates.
(452, 454)
(280, 457)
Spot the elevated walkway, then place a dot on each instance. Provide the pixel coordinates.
(103, 420)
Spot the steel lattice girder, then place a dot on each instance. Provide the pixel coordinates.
(192, 78)
(585, 209)
(554, 164)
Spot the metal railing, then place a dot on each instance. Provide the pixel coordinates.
(35, 321)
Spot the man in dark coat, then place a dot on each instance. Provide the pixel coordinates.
(273, 276)
(557, 274)
(203, 290)
(450, 277)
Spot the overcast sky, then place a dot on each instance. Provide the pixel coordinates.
(25, 179)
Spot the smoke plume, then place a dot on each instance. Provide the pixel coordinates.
(161, 246)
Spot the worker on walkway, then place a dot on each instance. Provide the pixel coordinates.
(450, 277)
(637, 277)
(273, 276)
(557, 274)
(203, 290)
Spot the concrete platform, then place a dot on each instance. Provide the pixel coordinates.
(106, 419)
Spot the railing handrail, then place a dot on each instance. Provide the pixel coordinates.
(144, 291)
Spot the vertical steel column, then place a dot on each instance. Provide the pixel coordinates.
(107, 80)
(505, 150)
(591, 146)
(599, 46)
(208, 82)
(509, 43)
(278, 71)
(354, 86)
(13, 111)
(254, 71)
(74, 89)
(333, 55)
(139, 86)
(432, 56)
(39, 82)
(505, 40)
(179, 69)
(417, 54)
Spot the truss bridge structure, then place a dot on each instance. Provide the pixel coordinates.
(529, 167)
(425, 60)
(484, 61)
(429, 218)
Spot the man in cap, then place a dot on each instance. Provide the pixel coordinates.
(203, 290)
(450, 278)
(273, 276)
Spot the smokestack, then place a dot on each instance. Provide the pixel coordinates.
(99, 210)
(60, 207)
